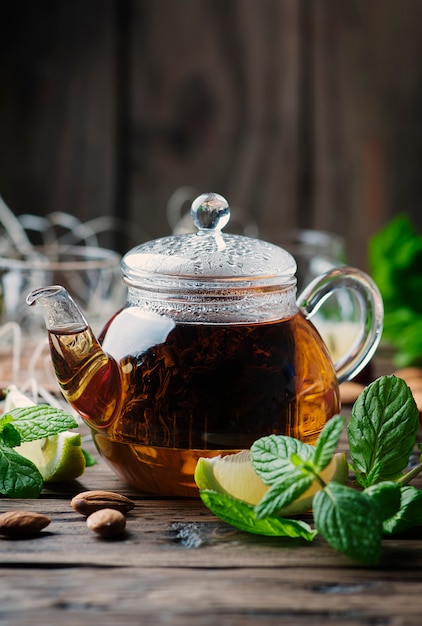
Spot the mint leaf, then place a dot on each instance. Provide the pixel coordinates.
(19, 477)
(10, 436)
(328, 441)
(283, 493)
(40, 421)
(387, 496)
(242, 516)
(271, 457)
(410, 513)
(349, 521)
(4, 421)
(89, 459)
(382, 430)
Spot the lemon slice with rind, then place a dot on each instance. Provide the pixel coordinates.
(58, 458)
(234, 475)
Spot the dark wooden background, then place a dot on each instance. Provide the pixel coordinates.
(303, 113)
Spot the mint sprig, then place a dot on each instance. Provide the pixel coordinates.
(408, 515)
(382, 430)
(350, 522)
(38, 421)
(381, 435)
(327, 442)
(387, 496)
(19, 477)
(242, 516)
(290, 466)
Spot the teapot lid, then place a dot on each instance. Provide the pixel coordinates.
(208, 255)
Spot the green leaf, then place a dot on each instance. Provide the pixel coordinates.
(242, 516)
(10, 436)
(403, 329)
(349, 521)
(387, 496)
(395, 259)
(19, 477)
(40, 421)
(382, 430)
(410, 513)
(271, 456)
(328, 441)
(4, 421)
(373, 476)
(283, 493)
(89, 459)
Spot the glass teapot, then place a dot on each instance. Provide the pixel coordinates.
(211, 352)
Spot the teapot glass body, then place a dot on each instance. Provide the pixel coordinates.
(192, 389)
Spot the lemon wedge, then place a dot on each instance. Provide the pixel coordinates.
(58, 458)
(234, 475)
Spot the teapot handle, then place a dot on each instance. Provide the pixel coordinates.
(371, 314)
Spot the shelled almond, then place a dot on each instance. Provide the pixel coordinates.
(22, 523)
(107, 522)
(88, 502)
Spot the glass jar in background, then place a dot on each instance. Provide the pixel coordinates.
(91, 274)
(60, 249)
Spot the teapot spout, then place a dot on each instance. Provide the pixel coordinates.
(89, 378)
(60, 311)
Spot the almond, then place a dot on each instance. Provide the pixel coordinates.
(88, 502)
(107, 522)
(22, 523)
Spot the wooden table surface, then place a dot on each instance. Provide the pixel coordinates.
(178, 564)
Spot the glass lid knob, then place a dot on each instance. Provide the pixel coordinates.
(210, 211)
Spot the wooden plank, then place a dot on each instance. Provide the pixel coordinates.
(178, 564)
(362, 85)
(209, 112)
(58, 110)
(161, 532)
(198, 596)
(303, 113)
